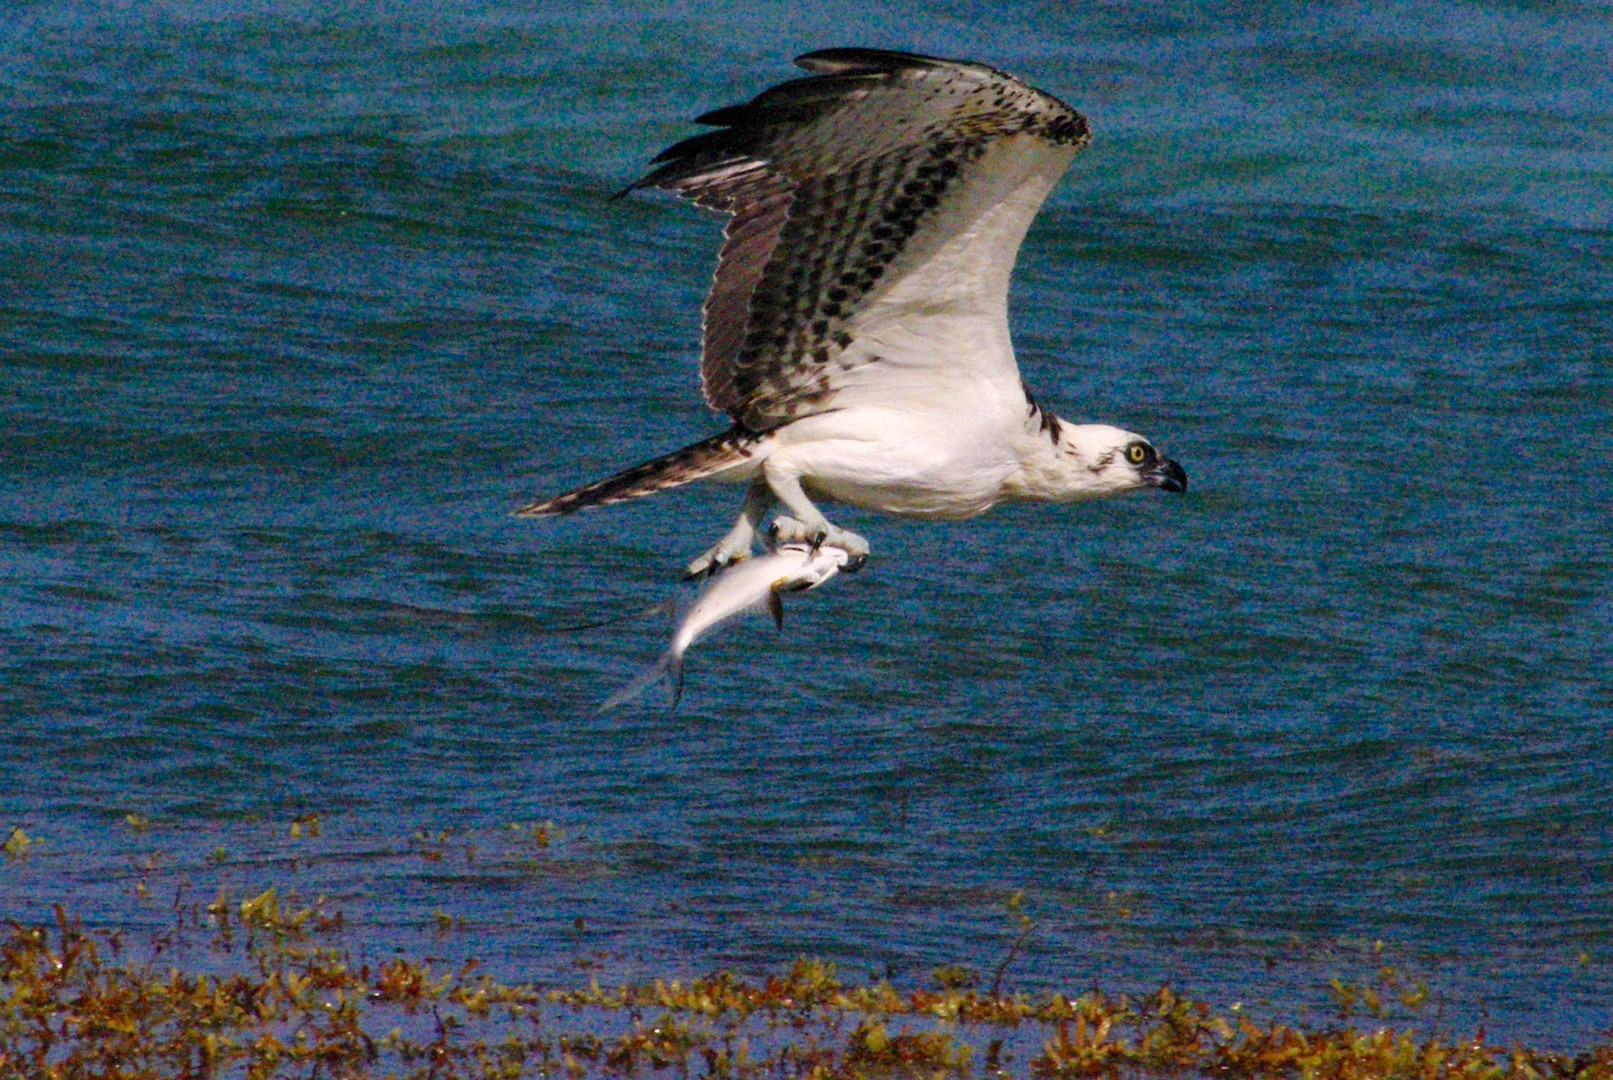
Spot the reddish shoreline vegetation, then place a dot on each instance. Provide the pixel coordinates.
(268, 991)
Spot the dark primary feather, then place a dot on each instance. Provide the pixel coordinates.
(831, 180)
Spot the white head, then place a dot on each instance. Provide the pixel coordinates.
(1101, 460)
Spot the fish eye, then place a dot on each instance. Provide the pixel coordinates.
(1139, 453)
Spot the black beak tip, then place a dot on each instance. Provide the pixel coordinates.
(1171, 477)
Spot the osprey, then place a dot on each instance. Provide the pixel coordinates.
(857, 330)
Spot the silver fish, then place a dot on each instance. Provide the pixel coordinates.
(732, 591)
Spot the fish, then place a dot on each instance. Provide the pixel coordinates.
(734, 590)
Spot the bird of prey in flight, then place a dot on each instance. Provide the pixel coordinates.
(857, 330)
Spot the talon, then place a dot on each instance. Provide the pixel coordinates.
(718, 558)
(787, 530)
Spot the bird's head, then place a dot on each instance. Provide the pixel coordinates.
(1104, 460)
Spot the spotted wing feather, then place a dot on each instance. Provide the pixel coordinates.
(842, 184)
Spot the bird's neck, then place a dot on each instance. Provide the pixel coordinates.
(1055, 467)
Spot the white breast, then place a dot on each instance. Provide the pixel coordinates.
(949, 459)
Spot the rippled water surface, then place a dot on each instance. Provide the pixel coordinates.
(295, 307)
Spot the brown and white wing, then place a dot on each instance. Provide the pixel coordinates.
(885, 192)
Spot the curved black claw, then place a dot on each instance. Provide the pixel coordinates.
(704, 572)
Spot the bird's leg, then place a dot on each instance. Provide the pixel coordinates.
(736, 545)
(807, 525)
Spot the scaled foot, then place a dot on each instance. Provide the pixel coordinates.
(734, 547)
(788, 530)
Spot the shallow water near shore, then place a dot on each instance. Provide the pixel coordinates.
(297, 307)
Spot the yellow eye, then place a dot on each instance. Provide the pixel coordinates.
(1137, 453)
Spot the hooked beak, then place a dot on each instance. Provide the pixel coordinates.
(1167, 476)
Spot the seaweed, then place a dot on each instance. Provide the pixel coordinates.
(271, 993)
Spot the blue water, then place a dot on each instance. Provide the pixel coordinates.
(296, 306)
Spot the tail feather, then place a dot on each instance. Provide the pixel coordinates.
(704, 458)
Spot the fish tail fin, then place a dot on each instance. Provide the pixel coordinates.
(705, 458)
(667, 665)
(673, 666)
